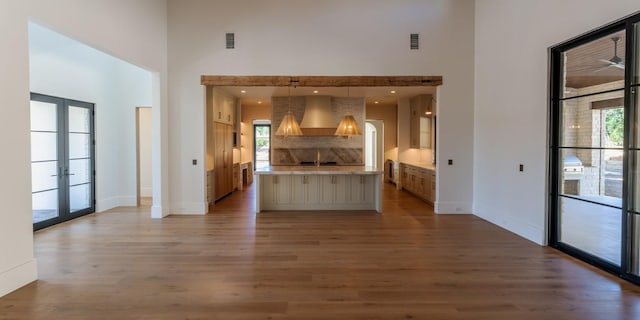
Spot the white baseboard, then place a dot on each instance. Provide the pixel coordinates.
(146, 191)
(189, 208)
(157, 212)
(126, 201)
(113, 202)
(18, 276)
(443, 207)
(519, 227)
(106, 204)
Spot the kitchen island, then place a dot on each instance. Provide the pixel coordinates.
(303, 188)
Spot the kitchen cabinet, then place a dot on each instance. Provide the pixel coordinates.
(361, 189)
(421, 121)
(276, 190)
(210, 186)
(419, 181)
(224, 107)
(236, 176)
(305, 189)
(318, 191)
(333, 189)
(247, 172)
(223, 160)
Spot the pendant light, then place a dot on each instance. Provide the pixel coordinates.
(348, 126)
(289, 126)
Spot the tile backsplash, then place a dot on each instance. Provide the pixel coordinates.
(295, 149)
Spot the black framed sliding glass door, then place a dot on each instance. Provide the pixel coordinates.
(595, 148)
(62, 159)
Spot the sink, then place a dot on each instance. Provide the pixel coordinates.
(322, 164)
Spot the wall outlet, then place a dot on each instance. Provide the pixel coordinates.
(194, 162)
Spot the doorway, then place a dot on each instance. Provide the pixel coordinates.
(143, 156)
(62, 159)
(261, 144)
(374, 143)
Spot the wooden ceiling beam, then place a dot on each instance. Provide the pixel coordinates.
(322, 81)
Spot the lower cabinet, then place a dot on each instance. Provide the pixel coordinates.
(236, 176)
(304, 189)
(419, 181)
(318, 192)
(333, 189)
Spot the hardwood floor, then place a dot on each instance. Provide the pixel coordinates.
(405, 263)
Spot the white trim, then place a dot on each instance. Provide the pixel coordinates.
(452, 207)
(189, 208)
(516, 226)
(18, 277)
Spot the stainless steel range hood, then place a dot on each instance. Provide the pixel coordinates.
(319, 118)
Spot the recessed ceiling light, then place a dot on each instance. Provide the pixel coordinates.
(315, 91)
(243, 91)
(393, 91)
(259, 101)
(427, 112)
(376, 102)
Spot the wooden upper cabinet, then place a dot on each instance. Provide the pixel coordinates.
(421, 121)
(224, 107)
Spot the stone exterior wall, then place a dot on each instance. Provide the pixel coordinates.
(582, 128)
(296, 149)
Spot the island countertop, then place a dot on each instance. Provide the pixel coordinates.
(322, 170)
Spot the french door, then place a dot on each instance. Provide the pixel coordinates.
(62, 159)
(595, 148)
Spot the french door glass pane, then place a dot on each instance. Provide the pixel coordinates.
(79, 171)
(593, 121)
(601, 183)
(636, 77)
(79, 120)
(44, 161)
(595, 66)
(44, 176)
(44, 146)
(635, 245)
(79, 146)
(79, 197)
(593, 228)
(634, 198)
(44, 116)
(45, 205)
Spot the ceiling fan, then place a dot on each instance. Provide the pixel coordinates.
(615, 61)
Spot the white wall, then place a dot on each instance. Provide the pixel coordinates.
(512, 40)
(132, 30)
(62, 67)
(293, 37)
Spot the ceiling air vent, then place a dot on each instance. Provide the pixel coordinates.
(414, 40)
(231, 40)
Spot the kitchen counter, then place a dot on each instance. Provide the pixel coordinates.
(323, 170)
(311, 188)
(423, 165)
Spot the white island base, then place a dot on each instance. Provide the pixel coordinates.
(299, 188)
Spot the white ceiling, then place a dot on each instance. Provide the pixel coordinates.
(383, 95)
